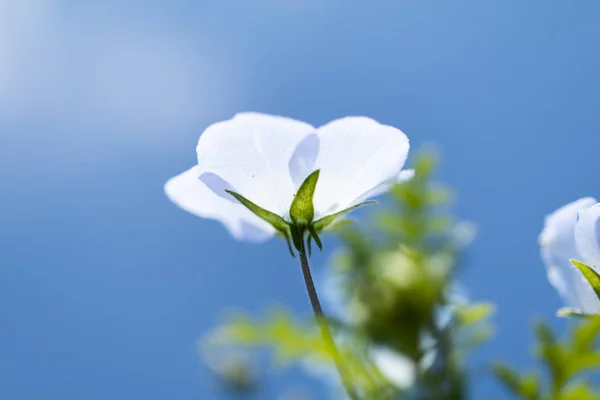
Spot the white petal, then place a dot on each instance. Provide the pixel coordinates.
(403, 176)
(587, 235)
(558, 247)
(559, 225)
(397, 368)
(356, 156)
(304, 159)
(252, 153)
(573, 287)
(193, 195)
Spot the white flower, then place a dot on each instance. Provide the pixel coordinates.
(266, 158)
(571, 232)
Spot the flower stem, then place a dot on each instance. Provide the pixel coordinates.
(323, 324)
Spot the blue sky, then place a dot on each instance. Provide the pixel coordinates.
(105, 286)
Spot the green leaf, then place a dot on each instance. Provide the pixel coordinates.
(324, 222)
(579, 391)
(584, 335)
(302, 209)
(544, 334)
(554, 355)
(508, 377)
(581, 363)
(526, 387)
(590, 275)
(439, 224)
(275, 220)
(474, 313)
(438, 195)
(292, 340)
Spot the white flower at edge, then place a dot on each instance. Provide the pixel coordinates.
(572, 232)
(266, 158)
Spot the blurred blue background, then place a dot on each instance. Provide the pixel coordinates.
(105, 285)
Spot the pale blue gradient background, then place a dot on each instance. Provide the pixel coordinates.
(105, 285)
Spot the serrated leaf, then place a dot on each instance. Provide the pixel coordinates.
(590, 275)
(324, 222)
(275, 220)
(302, 208)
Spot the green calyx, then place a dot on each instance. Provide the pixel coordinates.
(302, 210)
(302, 228)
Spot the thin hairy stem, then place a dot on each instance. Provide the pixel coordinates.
(323, 324)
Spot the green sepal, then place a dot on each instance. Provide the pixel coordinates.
(302, 209)
(309, 245)
(590, 275)
(314, 235)
(275, 220)
(297, 237)
(286, 236)
(574, 312)
(324, 222)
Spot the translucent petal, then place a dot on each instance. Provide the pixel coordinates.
(557, 248)
(252, 152)
(356, 155)
(587, 233)
(304, 159)
(193, 195)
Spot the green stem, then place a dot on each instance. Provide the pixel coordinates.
(323, 324)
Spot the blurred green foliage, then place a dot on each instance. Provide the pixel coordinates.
(566, 363)
(395, 279)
